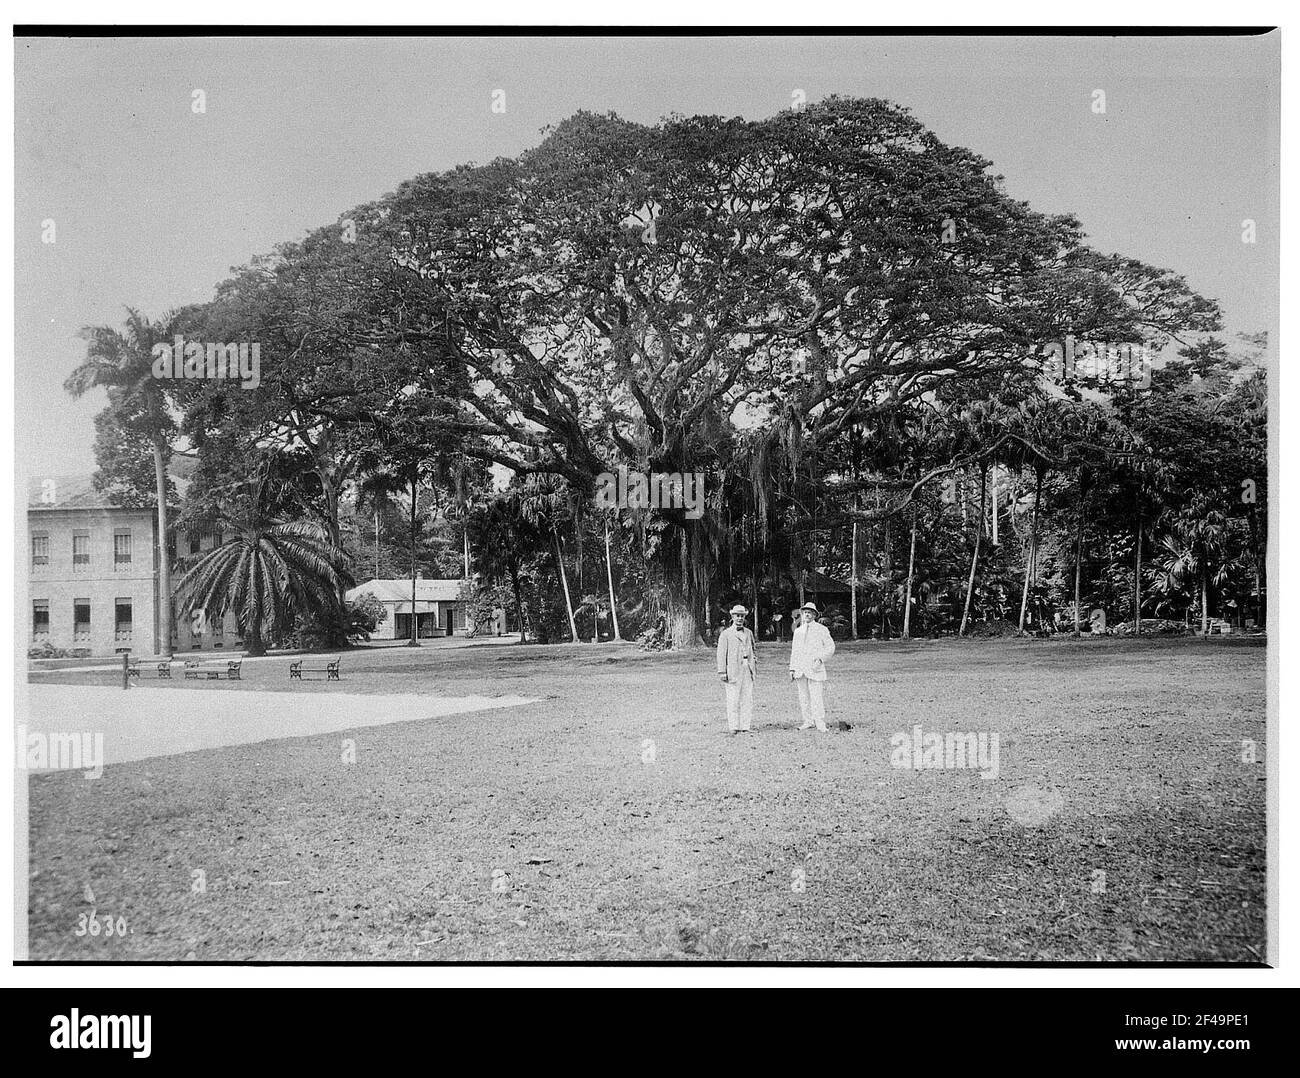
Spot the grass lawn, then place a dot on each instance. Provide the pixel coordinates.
(556, 830)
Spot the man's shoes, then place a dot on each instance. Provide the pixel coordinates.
(806, 726)
(824, 729)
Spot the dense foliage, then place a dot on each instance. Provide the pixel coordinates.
(845, 326)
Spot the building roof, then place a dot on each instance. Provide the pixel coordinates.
(66, 492)
(823, 584)
(78, 492)
(399, 591)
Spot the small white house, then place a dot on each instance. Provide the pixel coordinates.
(438, 609)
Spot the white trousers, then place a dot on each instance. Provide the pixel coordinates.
(740, 700)
(812, 705)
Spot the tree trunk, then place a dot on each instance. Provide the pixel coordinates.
(564, 579)
(993, 483)
(415, 518)
(164, 560)
(1205, 600)
(1259, 599)
(609, 576)
(1078, 562)
(683, 626)
(256, 645)
(853, 576)
(907, 598)
(1031, 565)
(519, 602)
(975, 557)
(330, 492)
(1261, 614)
(1137, 580)
(887, 596)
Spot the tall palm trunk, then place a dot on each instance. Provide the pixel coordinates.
(1205, 599)
(853, 577)
(975, 557)
(609, 576)
(887, 593)
(1078, 563)
(1031, 564)
(1137, 580)
(1261, 613)
(996, 491)
(564, 579)
(164, 560)
(415, 517)
(911, 566)
(519, 602)
(330, 492)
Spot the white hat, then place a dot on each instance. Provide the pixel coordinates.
(809, 606)
(737, 609)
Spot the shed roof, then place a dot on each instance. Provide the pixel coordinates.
(399, 591)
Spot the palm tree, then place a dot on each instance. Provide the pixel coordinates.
(1194, 552)
(609, 576)
(975, 554)
(504, 538)
(268, 574)
(122, 362)
(546, 506)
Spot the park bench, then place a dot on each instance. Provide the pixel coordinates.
(196, 669)
(164, 668)
(330, 670)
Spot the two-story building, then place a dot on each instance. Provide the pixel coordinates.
(93, 580)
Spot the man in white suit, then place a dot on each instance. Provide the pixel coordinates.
(737, 662)
(811, 647)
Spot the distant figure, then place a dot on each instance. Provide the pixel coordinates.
(499, 621)
(810, 647)
(737, 663)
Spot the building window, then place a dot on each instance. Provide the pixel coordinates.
(40, 619)
(80, 619)
(81, 550)
(122, 619)
(121, 550)
(196, 541)
(40, 549)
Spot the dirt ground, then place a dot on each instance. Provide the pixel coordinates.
(616, 820)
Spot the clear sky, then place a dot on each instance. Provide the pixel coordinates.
(153, 203)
